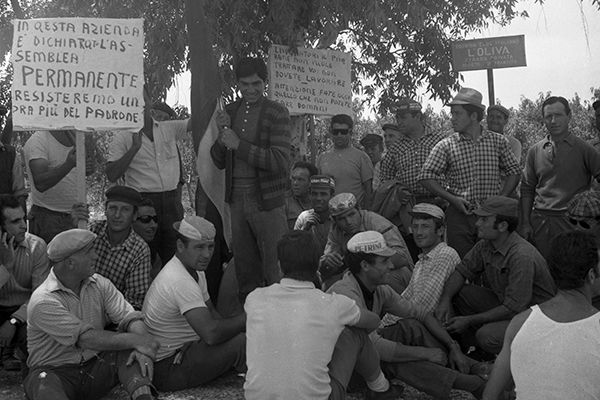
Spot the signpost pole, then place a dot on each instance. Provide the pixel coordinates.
(490, 79)
(80, 168)
(312, 144)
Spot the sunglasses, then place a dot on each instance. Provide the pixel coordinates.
(336, 132)
(147, 218)
(582, 222)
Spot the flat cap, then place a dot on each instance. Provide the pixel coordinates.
(371, 138)
(124, 194)
(427, 209)
(407, 105)
(195, 228)
(341, 203)
(500, 109)
(68, 243)
(585, 205)
(468, 96)
(371, 242)
(390, 126)
(322, 181)
(498, 205)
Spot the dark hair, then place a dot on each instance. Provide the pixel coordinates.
(147, 202)
(7, 201)
(184, 239)
(312, 169)
(511, 221)
(572, 255)
(556, 99)
(470, 109)
(342, 119)
(353, 260)
(439, 223)
(298, 255)
(249, 66)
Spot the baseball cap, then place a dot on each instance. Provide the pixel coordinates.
(341, 203)
(468, 96)
(322, 181)
(371, 242)
(499, 108)
(427, 209)
(407, 105)
(498, 205)
(195, 228)
(68, 243)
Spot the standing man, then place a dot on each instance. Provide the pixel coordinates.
(254, 150)
(23, 267)
(472, 161)
(557, 168)
(12, 180)
(317, 219)
(515, 275)
(197, 344)
(148, 161)
(71, 355)
(297, 199)
(123, 256)
(351, 168)
(373, 146)
(497, 118)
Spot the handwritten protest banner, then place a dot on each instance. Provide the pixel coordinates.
(312, 81)
(78, 73)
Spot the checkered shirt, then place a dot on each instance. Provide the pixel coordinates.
(472, 169)
(127, 265)
(405, 159)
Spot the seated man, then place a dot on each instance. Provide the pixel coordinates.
(417, 348)
(298, 345)
(551, 350)
(297, 199)
(71, 356)
(316, 220)
(197, 345)
(23, 267)
(348, 220)
(123, 256)
(515, 274)
(146, 225)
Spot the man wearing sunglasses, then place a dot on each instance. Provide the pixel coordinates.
(350, 167)
(146, 225)
(557, 167)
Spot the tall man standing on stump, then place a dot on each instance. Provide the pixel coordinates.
(254, 148)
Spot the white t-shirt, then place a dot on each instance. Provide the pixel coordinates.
(62, 196)
(172, 293)
(291, 332)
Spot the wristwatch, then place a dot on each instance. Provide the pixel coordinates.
(14, 322)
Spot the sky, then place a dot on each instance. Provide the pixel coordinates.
(562, 45)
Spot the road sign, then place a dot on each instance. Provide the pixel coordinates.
(489, 53)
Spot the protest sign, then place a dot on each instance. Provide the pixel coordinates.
(312, 81)
(78, 73)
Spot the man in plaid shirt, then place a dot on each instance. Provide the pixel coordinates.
(471, 160)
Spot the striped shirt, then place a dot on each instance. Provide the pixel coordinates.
(57, 317)
(404, 160)
(18, 282)
(126, 265)
(471, 169)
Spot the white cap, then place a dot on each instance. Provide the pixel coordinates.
(371, 242)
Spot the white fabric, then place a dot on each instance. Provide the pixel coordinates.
(291, 332)
(172, 293)
(60, 197)
(155, 167)
(556, 361)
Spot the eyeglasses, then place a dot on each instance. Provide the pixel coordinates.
(147, 218)
(584, 223)
(336, 132)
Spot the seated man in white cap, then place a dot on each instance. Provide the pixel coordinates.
(197, 344)
(348, 220)
(71, 356)
(417, 349)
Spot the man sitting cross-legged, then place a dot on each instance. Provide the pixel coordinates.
(71, 356)
(417, 348)
(196, 343)
(303, 343)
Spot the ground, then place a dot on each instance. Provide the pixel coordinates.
(227, 387)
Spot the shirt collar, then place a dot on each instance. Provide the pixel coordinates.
(54, 284)
(569, 139)
(127, 243)
(432, 252)
(257, 104)
(367, 294)
(296, 284)
(484, 133)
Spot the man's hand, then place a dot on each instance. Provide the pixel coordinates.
(525, 230)
(223, 120)
(443, 311)
(147, 345)
(230, 139)
(437, 356)
(461, 204)
(312, 219)
(458, 360)
(331, 262)
(458, 324)
(71, 159)
(146, 364)
(79, 211)
(136, 140)
(7, 250)
(7, 332)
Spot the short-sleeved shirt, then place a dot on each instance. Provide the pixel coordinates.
(350, 167)
(127, 265)
(155, 167)
(404, 160)
(57, 317)
(555, 172)
(385, 300)
(472, 170)
(173, 293)
(291, 332)
(62, 196)
(370, 221)
(517, 273)
(29, 270)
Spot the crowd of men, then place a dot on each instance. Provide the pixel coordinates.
(433, 259)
